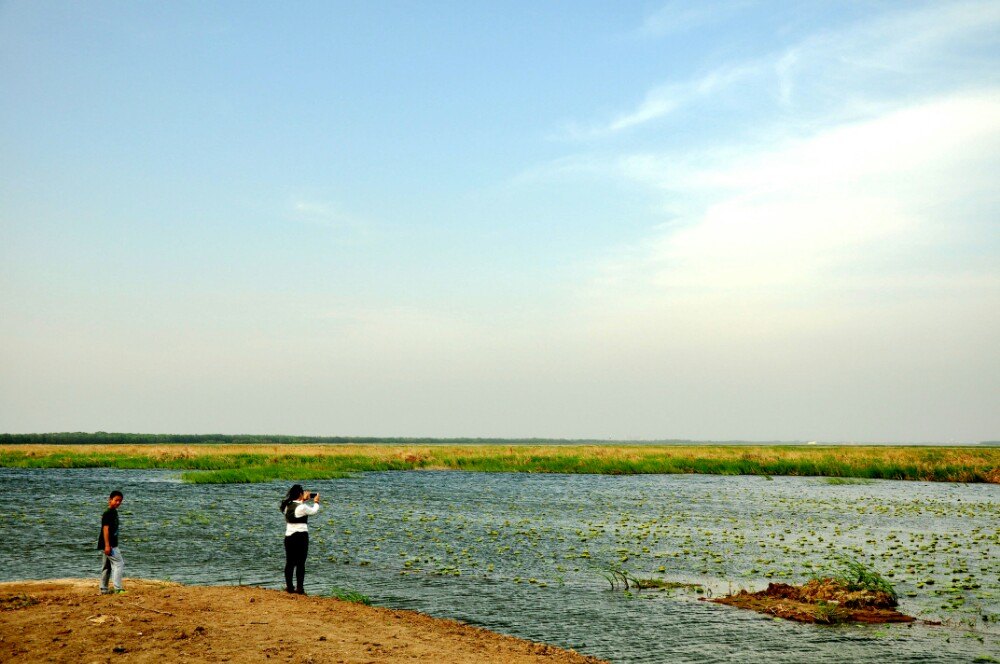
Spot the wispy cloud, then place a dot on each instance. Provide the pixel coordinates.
(850, 71)
(659, 102)
(675, 16)
(328, 215)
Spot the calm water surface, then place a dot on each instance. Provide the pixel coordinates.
(525, 554)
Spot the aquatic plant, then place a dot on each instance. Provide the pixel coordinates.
(661, 584)
(195, 517)
(856, 575)
(254, 475)
(349, 596)
(620, 578)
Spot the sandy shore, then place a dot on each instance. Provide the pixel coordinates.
(67, 620)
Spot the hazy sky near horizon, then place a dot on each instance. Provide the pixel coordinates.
(707, 220)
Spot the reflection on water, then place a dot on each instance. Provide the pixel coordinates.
(523, 554)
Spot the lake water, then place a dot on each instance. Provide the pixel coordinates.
(525, 554)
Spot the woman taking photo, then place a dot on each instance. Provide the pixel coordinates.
(297, 511)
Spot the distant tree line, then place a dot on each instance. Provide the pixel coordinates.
(105, 438)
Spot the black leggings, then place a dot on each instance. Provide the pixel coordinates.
(296, 550)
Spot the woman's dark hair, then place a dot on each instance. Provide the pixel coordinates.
(114, 494)
(292, 495)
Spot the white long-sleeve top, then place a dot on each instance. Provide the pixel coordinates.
(301, 509)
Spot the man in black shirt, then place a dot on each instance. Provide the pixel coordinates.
(107, 542)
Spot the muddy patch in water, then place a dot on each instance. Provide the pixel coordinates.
(825, 601)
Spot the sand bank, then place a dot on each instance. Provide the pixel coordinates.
(156, 621)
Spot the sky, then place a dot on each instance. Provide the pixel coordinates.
(616, 220)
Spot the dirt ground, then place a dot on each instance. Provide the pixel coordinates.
(67, 620)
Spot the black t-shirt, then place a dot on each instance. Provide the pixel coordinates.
(110, 519)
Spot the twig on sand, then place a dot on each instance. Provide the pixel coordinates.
(162, 613)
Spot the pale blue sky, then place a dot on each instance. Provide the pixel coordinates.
(708, 220)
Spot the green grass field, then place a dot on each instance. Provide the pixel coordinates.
(206, 463)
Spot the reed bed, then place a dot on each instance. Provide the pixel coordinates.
(262, 462)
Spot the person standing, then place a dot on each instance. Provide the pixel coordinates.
(107, 542)
(297, 511)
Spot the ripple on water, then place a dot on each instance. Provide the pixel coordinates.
(523, 554)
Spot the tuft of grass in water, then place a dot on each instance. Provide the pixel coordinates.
(350, 596)
(620, 578)
(260, 474)
(194, 517)
(847, 480)
(856, 575)
(217, 464)
(661, 584)
(826, 613)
